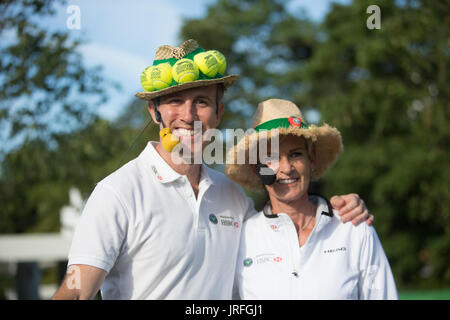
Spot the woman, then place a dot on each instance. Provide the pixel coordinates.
(297, 248)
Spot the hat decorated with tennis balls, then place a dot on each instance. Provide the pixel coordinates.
(287, 119)
(184, 67)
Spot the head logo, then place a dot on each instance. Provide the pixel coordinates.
(213, 218)
(248, 262)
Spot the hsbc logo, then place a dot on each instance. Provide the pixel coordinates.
(225, 221)
(262, 259)
(274, 228)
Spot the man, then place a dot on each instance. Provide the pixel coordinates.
(162, 229)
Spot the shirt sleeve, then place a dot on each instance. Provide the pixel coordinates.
(99, 235)
(376, 279)
(250, 209)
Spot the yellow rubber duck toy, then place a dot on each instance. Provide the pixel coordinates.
(168, 140)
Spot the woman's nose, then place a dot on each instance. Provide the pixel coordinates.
(284, 165)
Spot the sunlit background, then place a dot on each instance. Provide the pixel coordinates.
(68, 113)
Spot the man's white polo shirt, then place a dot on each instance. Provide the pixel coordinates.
(144, 226)
(338, 261)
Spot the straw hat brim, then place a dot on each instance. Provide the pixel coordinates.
(327, 141)
(226, 80)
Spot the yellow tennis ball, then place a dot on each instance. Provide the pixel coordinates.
(161, 76)
(207, 63)
(185, 70)
(146, 83)
(222, 61)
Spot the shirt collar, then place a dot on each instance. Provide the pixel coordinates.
(164, 173)
(323, 207)
(158, 167)
(205, 177)
(324, 213)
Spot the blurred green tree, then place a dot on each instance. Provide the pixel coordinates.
(36, 177)
(44, 86)
(45, 93)
(386, 90)
(263, 43)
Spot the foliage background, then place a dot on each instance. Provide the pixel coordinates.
(386, 91)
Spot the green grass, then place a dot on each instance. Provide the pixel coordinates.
(425, 295)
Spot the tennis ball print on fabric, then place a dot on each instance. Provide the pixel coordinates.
(185, 70)
(207, 63)
(161, 76)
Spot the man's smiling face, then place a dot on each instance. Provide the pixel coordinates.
(181, 109)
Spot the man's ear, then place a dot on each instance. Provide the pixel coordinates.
(151, 110)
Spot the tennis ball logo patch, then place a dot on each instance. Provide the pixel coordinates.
(146, 81)
(248, 262)
(161, 76)
(222, 62)
(156, 74)
(185, 70)
(210, 61)
(207, 63)
(184, 66)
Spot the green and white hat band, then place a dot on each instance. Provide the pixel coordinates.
(293, 121)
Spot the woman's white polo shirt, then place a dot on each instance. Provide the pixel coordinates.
(338, 261)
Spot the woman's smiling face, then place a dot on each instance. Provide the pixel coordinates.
(293, 170)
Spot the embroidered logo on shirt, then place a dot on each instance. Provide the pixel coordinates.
(277, 259)
(248, 262)
(156, 173)
(225, 221)
(213, 218)
(264, 258)
(341, 249)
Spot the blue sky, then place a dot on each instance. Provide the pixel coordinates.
(122, 36)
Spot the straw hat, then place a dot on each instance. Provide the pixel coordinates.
(187, 49)
(287, 118)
